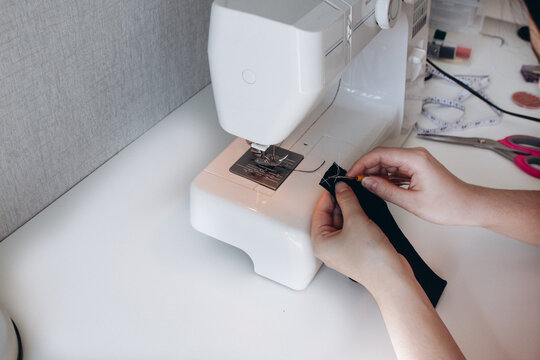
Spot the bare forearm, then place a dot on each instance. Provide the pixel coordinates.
(415, 328)
(513, 213)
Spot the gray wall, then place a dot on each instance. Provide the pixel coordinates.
(81, 79)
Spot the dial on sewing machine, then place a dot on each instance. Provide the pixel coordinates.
(322, 80)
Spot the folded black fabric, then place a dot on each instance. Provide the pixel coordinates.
(377, 210)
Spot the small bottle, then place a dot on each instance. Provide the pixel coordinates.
(438, 49)
(447, 52)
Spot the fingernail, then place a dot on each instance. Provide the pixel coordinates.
(340, 187)
(369, 183)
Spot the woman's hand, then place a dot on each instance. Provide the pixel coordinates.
(346, 240)
(434, 194)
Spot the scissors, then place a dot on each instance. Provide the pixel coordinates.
(523, 150)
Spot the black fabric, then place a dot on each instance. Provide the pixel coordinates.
(377, 210)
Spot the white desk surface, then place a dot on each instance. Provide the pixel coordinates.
(113, 269)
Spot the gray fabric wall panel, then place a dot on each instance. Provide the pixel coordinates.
(81, 79)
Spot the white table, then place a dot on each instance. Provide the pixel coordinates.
(113, 269)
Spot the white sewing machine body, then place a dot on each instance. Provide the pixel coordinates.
(319, 78)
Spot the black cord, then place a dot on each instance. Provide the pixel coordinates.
(478, 95)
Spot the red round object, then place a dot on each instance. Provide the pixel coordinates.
(526, 100)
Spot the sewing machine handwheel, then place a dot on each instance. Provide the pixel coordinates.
(387, 13)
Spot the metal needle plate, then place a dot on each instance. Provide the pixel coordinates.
(271, 177)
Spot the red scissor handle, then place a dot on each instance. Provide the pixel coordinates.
(520, 142)
(525, 163)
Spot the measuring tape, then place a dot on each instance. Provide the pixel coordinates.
(478, 83)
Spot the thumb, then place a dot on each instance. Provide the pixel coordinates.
(386, 190)
(348, 202)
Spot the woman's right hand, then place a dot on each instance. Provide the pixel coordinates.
(434, 194)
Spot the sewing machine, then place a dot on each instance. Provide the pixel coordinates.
(302, 83)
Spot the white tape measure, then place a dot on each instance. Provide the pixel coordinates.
(476, 82)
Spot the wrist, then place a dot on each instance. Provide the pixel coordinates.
(391, 275)
(476, 210)
(464, 207)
